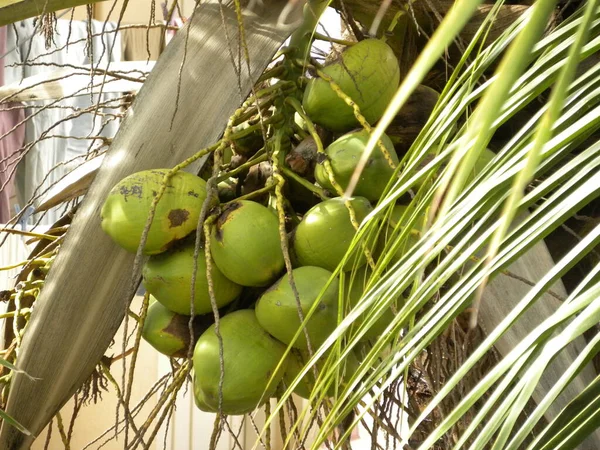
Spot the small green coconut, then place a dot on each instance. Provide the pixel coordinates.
(168, 277)
(277, 310)
(249, 144)
(344, 155)
(324, 235)
(368, 73)
(298, 359)
(250, 358)
(245, 244)
(125, 211)
(169, 332)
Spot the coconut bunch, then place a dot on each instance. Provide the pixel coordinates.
(253, 257)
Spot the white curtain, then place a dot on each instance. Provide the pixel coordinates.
(54, 156)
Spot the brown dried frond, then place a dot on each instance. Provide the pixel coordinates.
(48, 21)
(91, 391)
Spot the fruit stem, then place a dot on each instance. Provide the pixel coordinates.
(323, 37)
(136, 346)
(252, 194)
(306, 184)
(279, 71)
(22, 312)
(35, 262)
(301, 39)
(258, 158)
(299, 130)
(29, 233)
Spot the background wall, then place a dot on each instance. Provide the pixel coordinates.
(138, 11)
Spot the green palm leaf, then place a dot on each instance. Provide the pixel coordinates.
(439, 275)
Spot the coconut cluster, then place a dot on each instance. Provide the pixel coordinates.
(237, 272)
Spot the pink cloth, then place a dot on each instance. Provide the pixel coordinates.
(10, 143)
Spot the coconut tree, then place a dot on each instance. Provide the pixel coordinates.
(525, 92)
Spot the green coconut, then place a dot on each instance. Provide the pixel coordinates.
(368, 73)
(125, 211)
(168, 277)
(199, 399)
(354, 289)
(245, 244)
(277, 309)
(250, 358)
(169, 332)
(344, 155)
(298, 359)
(324, 235)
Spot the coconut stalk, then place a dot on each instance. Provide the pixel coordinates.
(12, 11)
(180, 109)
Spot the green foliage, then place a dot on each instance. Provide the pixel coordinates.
(475, 215)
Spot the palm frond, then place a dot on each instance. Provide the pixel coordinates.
(439, 273)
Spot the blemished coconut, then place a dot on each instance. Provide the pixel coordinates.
(168, 277)
(344, 155)
(324, 235)
(368, 73)
(250, 358)
(245, 244)
(277, 310)
(126, 209)
(169, 332)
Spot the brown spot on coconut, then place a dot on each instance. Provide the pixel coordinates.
(224, 216)
(127, 207)
(177, 217)
(169, 332)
